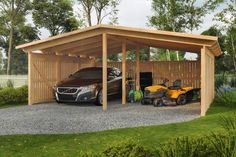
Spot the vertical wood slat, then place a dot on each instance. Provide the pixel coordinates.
(47, 64)
(187, 71)
(123, 73)
(58, 71)
(137, 69)
(41, 89)
(203, 81)
(30, 78)
(104, 72)
(207, 79)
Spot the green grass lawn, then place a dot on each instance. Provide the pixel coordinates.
(11, 105)
(72, 144)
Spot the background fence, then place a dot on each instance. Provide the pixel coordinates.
(187, 71)
(18, 80)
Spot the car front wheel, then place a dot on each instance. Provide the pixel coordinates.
(99, 98)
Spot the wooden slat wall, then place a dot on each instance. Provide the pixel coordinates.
(207, 78)
(44, 72)
(187, 71)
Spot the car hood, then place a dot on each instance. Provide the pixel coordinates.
(76, 82)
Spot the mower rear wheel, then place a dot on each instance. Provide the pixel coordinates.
(181, 100)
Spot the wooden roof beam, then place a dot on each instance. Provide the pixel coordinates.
(113, 51)
(170, 45)
(86, 48)
(158, 37)
(88, 51)
(61, 41)
(79, 43)
(128, 41)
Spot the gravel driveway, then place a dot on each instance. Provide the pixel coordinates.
(52, 118)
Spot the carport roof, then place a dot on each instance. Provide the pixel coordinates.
(88, 41)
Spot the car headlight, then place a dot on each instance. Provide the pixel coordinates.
(89, 88)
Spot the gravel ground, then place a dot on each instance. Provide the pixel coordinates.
(53, 118)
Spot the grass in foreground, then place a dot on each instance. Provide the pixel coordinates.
(11, 105)
(72, 144)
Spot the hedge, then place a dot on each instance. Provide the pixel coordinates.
(11, 95)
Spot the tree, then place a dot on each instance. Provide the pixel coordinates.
(228, 14)
(231, 46)
(55, 15)
(87, 6)
(131, 55)
(102, 8)
(1, 61)
(228, 17)
(22, 34)
(179, 15)
(12, 14)
(222, 65)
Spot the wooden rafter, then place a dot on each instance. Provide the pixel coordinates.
(76, 44)
(155, 38)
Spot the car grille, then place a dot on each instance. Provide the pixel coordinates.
(67, 90)
(64, 97)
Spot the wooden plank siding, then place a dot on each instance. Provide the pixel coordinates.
(187, 71)
(45, 72)
(59, 58)
(207, 78)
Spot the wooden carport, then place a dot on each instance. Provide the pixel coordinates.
(102, 40)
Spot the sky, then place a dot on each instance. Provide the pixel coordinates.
(135, 13)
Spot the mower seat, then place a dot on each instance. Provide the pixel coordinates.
(176, 85)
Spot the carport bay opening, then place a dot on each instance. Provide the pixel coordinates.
(53, 59)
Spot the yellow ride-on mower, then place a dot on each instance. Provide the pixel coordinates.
(161, 95)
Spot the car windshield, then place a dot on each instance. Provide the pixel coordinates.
(93, 73)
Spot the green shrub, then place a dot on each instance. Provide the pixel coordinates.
(10, 83)
(214, 145)
(224, 98)
(223, 145)
(232, 82)
(228, 123)
(219, 81)
(11, 95)
(184, 147)
(22, 94)
(127, 149)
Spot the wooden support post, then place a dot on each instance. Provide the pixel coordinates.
(137, 68)
(30, 78)
(123, 73)
(203, 81)
(149, 53)
(213, 77)
(58, 69)
(104, 71)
